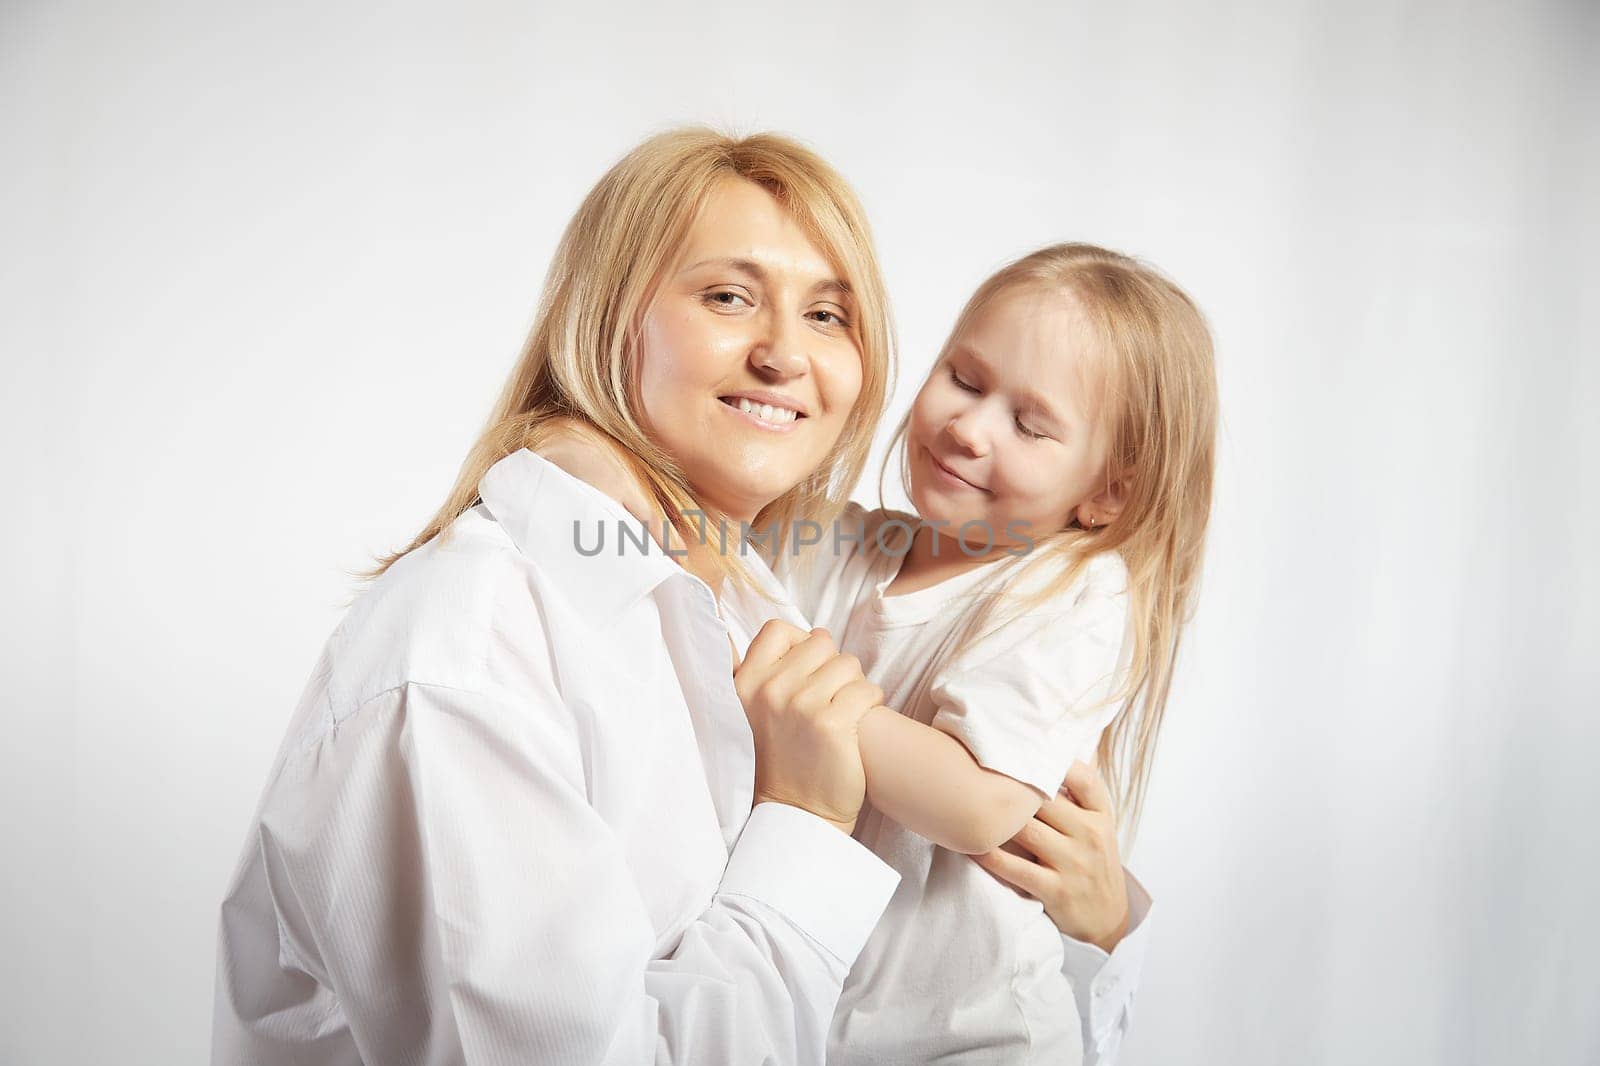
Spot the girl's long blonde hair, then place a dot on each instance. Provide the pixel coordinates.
(579, 358)
(1159, 409)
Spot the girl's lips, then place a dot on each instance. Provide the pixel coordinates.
(945, 474)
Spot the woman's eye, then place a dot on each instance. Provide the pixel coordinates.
(727, 298)
(962, 385)
(829, 318)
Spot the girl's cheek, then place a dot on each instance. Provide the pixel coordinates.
(925, 409)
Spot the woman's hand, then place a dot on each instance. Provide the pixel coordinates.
(805, 702)
(1077, 873)
(589, 455)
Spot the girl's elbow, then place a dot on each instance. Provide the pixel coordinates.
(998, 822)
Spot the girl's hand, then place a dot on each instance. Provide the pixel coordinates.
(1077, 869)
(589, 455)
(805, 702)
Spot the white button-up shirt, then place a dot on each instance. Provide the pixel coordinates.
(499, 827)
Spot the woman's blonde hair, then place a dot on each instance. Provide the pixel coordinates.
(579, 359)
(1159, 410)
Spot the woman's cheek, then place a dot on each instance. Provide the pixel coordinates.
(847, 377)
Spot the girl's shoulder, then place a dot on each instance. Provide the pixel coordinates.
(824, 564)
(1105, 574)
(1101, 577)
(1032, 614)
(880, 528)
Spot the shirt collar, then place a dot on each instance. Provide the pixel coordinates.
(550, 515)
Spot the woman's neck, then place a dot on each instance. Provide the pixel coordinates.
(700, 559)
(699, 543)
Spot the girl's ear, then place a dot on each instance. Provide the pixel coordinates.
(1104, 506)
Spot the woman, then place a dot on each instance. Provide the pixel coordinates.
(499, 827)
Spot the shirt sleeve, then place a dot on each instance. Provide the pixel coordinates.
(1033, 696)
(1104, 985)
(469, 905)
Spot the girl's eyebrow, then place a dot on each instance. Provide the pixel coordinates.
(1033, 401)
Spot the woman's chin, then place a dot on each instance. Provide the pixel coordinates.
(741, 499)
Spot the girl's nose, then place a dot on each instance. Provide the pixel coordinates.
(965, 430)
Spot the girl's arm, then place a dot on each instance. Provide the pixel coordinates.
(928, 781)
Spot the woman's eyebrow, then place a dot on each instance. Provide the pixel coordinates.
(833, 287)
(830, 286)
(748, 266)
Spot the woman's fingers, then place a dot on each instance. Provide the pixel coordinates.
(1014, 870)
(805, 658)
(770, 644)
(1088, 788)
(1063, 814)
(851, 702)
(1050, 845)
(826, 680)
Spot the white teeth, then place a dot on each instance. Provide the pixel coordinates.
(766, 412)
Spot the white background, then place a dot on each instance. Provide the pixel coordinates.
(266, 266)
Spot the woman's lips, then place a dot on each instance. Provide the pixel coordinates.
(752, 414)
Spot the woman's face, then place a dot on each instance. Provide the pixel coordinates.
(1004, 432)
(748, 362)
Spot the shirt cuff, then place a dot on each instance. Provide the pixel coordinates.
(827, 883)
(1104, 984)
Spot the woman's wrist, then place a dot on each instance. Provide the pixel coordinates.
(1108, 943)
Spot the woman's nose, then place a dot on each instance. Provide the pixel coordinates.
(780, 354)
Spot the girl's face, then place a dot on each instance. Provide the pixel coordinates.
(748, 363)
(1004, 432)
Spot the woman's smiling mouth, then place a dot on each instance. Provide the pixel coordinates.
(756, 410)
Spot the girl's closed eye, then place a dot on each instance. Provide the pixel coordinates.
(1023, 429)
(960, 384)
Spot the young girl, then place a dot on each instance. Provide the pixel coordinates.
(1059, 457)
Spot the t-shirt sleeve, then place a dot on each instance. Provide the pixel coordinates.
(1035, 695)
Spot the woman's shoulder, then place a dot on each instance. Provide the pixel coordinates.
(433, 615)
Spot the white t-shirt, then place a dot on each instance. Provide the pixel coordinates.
(962, 967)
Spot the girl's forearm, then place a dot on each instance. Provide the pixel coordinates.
(929, 782)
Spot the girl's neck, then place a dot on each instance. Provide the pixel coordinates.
(936, 557)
